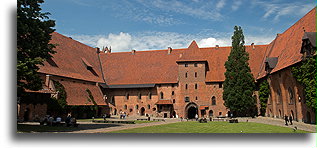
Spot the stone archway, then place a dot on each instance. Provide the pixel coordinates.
(191, 110)
(142, 111)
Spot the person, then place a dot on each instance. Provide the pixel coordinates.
(181, 118)
(291, 120)
(196, 117)
(67, 121)
(50, 121)
(286, 120)
(58, 120)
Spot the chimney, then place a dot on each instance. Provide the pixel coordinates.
(107, 50)
(97, 50)
(103, 49)
(169, 50)
(110, 49)
(252, 45)
(217, 46)
(133, 52)
(47, 80)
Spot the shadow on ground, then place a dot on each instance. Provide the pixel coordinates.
(31, 128)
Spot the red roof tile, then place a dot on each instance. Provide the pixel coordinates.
(287, 46)
(70, 59)
(164, 102)
(77, 94)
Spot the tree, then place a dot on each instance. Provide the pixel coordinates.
(264, 94)
(239, 83)
(305, 74)
(33, 36)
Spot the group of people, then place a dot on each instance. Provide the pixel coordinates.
(50, 120)
(123, 115)
(288, 119)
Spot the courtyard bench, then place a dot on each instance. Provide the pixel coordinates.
(159, 120)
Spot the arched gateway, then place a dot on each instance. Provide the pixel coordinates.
(191, 110)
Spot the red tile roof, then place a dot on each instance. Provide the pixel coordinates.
(77, 94)
(192, 53)
(287, 46)
(164, 102)
(157, 66)
(70, 59)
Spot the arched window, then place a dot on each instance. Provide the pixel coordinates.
(196, 98)
(139, 95)
(213, 100)
(186, 75)
(127, 96)
(173, 93)
(291, 95)
(137, 107)
(125, 106)
(196, 86)
(195, 74)
(161, 95)
(186, 86)
(279, 96)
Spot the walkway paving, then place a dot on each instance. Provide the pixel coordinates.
(280, 122)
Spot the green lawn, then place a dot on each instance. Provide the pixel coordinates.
(23, 128)
(212, 127)
(101, 119)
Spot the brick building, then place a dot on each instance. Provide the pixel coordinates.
(177, 82)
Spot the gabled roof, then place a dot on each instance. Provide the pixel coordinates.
(157, 66)
(192, 53)
(287, 46)
(71, 60)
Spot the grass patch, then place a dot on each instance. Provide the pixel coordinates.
(211, 127)
(143, 121)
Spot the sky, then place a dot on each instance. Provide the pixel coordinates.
(157, 24)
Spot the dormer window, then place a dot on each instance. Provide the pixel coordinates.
(308, 44)
(87, 64)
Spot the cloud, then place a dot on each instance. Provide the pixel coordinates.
(220, 4)
(236, 4)
(161, 40)
(276, 10)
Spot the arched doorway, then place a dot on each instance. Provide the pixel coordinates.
(142, 111)
(308, 119)
(211, 113)
(191, 110)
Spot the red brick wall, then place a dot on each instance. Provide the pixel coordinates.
(283, 81)
(36, 111)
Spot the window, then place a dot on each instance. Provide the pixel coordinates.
(139, 96)
(137, 107)
(195, 74)
(173, 100)
(279, 96)
(125, 106)
(148, 106)
(186, 65)
(173, 93)
(186, 86)
(220, 113)
(291, 95)
(186, 99)
(161, 95)
(196, 98)
(127, 96)
(195, 64)
(220, 85)
(196, 86)
(213, 100)
(186, 75)
(130, 109)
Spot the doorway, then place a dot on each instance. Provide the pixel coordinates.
(191, 110)
(211, 113)
(142, 111)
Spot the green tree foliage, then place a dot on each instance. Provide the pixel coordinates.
(58, 105)
(239, 83)
(264, 93)
(91, 99)
(305, 74)
(33, 36)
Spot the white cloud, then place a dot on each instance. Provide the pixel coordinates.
(236, 4)
(220, 4)
(161, 40)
